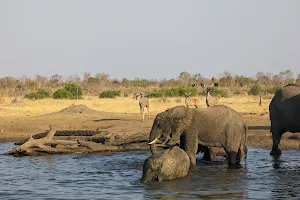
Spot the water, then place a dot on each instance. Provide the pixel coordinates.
(117, 176)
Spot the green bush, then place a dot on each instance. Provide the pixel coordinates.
(39, 94)
(273, 90)
(70, 91)
(74, 88)
(63, 94)
(216, 91)
(172, 92)
(154, 94)
(110, 94)
(256, 89)
(237, 92)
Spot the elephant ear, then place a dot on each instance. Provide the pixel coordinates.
(165, 125)
(180, 118)
(166, 171)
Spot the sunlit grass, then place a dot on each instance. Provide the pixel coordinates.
(122, 105)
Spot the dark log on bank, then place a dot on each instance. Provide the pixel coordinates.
(65, 133)
(89, 141)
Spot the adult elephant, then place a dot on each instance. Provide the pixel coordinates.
(284, 114)
(170, 164)
(216, 126)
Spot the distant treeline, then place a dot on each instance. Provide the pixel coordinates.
(227, 85)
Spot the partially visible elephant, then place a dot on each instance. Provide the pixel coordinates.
(284, 112)
(170, 164)
(209, 153)
(216, 126)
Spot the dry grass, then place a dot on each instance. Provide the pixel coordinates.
(244, 104)
(19, 120)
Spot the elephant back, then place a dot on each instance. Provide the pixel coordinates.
(288, 92)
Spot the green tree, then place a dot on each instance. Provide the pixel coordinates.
(74, 88)
(185, 77)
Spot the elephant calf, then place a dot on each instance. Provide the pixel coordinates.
(170, 164)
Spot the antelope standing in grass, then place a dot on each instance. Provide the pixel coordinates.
(191, 101)
(210, 100)
(143, 102)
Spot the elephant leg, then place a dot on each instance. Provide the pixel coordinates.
(209, 154)
(240, 155)
(206, 154)
(212, 153)
(191, 147)
(276, 136)
(182, 142)
(232, 162)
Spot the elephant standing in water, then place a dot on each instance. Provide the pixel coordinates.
(216, 126)
(170, 164)
(284, 114)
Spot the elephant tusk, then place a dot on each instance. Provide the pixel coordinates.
(153, 141)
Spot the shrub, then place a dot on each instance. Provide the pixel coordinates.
(70, 91)
(155, 94)
(63, 94)
(216, 91)
(73, 87)
(39, 94)
(273, 90)
(237, 92)
(110, 94)
(172, 92)
(256, 89)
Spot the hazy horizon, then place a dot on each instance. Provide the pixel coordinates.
(148, 39)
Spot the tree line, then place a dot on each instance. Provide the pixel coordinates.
(228, 84)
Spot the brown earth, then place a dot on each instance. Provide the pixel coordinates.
(80, 117)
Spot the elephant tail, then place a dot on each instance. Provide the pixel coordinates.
(244, 140)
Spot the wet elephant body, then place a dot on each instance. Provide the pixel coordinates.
(284, 111)
(216, 126)
(170, 164)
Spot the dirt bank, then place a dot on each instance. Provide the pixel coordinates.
(123, 124)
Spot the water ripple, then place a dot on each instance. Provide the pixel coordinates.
(117, 176)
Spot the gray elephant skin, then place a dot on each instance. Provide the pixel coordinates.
(284, 112)
(170, 164)
(216, 126)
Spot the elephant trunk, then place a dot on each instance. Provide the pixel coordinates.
(154, 135)
(153, 148)
(150, 173)
(146, 179)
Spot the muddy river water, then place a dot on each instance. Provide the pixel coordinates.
(117, 176)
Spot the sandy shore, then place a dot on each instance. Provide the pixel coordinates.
(15, 126)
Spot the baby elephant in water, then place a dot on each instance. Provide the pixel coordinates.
(170, 164)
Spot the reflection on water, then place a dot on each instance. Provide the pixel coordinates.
(117, 176)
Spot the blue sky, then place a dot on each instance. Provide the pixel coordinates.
(148, 39)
